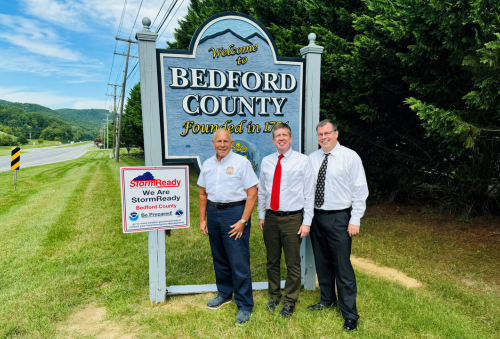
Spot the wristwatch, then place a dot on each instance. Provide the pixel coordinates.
(244, 222)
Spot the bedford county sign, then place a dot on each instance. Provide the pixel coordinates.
(231, 77)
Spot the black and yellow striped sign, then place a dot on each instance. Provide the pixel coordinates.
(15, 158)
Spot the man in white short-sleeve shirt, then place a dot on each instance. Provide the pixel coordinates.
(228, 191)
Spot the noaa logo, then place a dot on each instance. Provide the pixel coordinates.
(230, 170)
(134, 216)
(179, 213)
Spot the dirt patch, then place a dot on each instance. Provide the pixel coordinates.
(187, 302)
(90, 321)
(369, 267)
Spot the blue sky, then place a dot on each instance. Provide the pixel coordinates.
(59, 53)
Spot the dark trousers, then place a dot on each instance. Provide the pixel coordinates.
(332, 254)
(281, 233)
(231, 257)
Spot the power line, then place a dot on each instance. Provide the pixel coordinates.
(158, 12)
(117, 156)
(171, 19)
(135, 19)
(132, 71)
(121, 19)
(167, 13)
(116, 43)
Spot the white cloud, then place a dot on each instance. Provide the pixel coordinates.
(89, 104)
(41, 98)
(35, 37)
(49, 99)
(13, 60)
(64, 13)
(91, 15)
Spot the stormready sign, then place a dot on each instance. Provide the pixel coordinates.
(154, 198)
(231, 77)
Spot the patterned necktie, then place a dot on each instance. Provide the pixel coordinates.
(319, 198)
(275, 193)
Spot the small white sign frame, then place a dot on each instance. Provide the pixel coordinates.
(154, 198)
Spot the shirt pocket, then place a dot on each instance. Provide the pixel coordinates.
(231, 176)
(293, 178)
(337, 171)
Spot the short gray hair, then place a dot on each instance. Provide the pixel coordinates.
(326, 122)
(281, 125)
(222, 129)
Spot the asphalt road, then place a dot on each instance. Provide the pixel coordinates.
(44, 156)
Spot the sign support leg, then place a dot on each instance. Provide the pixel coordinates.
(152, 150)
(157, 280)
(15, 178)
(312, 53)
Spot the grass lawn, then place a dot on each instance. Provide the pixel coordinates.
(63, 255)
(6, 150)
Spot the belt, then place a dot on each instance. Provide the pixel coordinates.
(331, 211)
(284, 213)
(222, 205)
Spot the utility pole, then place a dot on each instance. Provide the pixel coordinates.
(114, 115)
(117, 157)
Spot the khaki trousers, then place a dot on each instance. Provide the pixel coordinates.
(280, 232)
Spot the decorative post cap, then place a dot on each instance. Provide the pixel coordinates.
(312, 38)
(146, 34)
(146, 22)
(312, 47)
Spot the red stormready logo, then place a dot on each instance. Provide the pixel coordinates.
(147, 180)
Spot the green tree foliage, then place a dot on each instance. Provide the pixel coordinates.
(412, 84)
(87, 121)
(6, 129)
(20, 124)
(22, 140)
(132, 134)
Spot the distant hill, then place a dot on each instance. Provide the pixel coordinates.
(90, 116)
(25, 107)
(80, 117)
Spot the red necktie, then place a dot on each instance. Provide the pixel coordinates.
(275, 194)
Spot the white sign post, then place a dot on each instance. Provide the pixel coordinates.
(154, 198)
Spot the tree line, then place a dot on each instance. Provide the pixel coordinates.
(17, 124)
(412, 84)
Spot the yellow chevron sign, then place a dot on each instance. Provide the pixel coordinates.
(15, 158)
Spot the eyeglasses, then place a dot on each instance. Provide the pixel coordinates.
(326, 134)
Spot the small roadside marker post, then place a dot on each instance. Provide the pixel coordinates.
(15, 162)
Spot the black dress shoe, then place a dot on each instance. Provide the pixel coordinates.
(320, 306)
(271, 305)
(287, 311)
(350, 324)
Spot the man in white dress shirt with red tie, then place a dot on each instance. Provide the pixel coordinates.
(340, 186)
(285, 207)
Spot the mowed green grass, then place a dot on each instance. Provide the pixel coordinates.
(62, 248)
(6, 150)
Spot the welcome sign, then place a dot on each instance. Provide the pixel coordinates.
(231, 77)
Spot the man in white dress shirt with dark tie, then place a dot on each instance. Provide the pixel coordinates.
(340, 186)
(285, 207)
